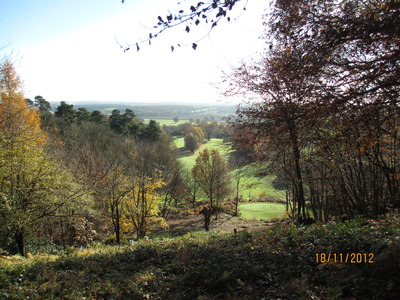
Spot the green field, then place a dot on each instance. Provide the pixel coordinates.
(188, 159)
(251, 185)
(168, 122)
(261, 210)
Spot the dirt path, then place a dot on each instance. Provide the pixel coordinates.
(180, 225)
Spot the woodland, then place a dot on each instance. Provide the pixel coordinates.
(86, 195)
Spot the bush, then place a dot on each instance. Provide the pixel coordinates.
(48, 246)
(112, 240)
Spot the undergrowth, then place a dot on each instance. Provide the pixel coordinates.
(279, 263)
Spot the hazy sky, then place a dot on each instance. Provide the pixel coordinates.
(67, 50)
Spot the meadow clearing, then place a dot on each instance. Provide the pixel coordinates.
(252, 186)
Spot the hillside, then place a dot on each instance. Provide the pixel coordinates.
(284, 262)
(253, 186)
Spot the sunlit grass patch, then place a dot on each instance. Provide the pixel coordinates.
(168, 122)
(188, 159)
(261, 210)
(252, 185)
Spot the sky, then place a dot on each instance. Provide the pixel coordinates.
(69, 50)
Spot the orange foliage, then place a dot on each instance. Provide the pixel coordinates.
(17, 120)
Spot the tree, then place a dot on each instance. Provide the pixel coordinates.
(44, 107)
(113, 166)
(211, 174)
(129, 114)
(143, 203)
(354, 50)
(194, 138)
(117, 122)
(126, 124)
(176, 119)
(16, 119)
(66, 112)
(210, 129)
(29, 102)
(116, 186)
(33, 187)
(102, 159)
(209, 13)
(287, 89)
(82, 115)
(237, 178)
(151, 132)
(42, 104)
(175, 188)
(97, 117)
(328, 95)
(191, 142)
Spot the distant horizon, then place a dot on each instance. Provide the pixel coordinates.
(145, 110)
(115, 102)
(60, 57)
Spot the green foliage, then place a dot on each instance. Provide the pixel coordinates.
(211, 174)
(35, 245)
(151, 132)
(191, 142)
(189, 160)
(66, 112)
(34, 187)
(42, 104)
(83, 115)
(256, 182)
(143, 204)
(123, 123)
(194, 138)
(112, 240)
(253, 185)
(97, 117)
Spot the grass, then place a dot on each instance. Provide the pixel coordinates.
(168, 122)
(261, 210)
(180, 144)
(276, 263)
(252, 186)
(188, 159)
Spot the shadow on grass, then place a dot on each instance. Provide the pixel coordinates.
(184, 152)
(278, 263)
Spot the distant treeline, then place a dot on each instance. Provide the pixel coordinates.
(148, 111)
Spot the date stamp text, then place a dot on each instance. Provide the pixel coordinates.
(351, 258)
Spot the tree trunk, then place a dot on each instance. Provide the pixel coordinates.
(207, 212)
(237, 197)
(236, 213)
(299, 180)
(117, 226)
(20, 241)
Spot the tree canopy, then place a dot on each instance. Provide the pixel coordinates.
(211, 174)
(33, 186)
(327, 110)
